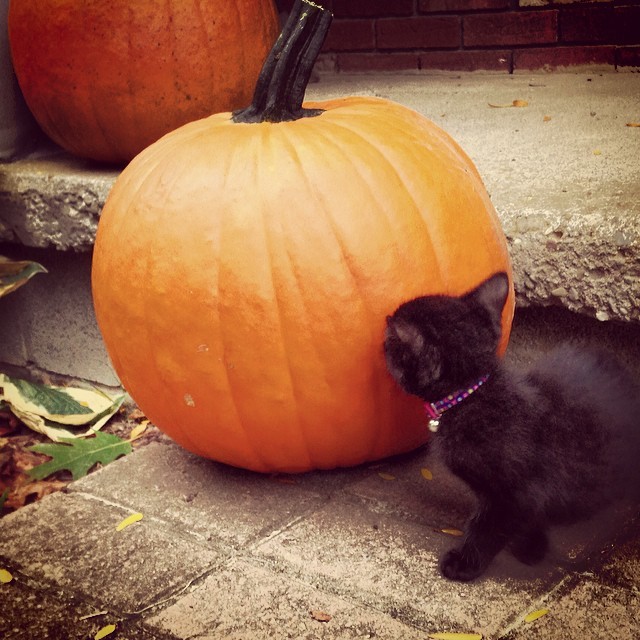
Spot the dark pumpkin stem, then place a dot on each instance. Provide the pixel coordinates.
(285, 74)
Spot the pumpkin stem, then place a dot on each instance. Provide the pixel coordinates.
(280, 89)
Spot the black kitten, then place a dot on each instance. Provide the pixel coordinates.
(547, 446)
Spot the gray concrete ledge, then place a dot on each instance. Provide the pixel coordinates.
(563, 173)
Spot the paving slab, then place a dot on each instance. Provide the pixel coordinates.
(588, 610)
(209, 500)
(391, 565)
(249, 601)
(71, 543)
(360, 545)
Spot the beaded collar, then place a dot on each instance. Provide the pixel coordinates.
(435, 409)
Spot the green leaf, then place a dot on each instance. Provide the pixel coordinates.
(79, 455)
(13, 274)
(3, 498)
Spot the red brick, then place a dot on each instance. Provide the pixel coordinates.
(419, 33)
(587, 24)
(627, 25)
(372, 8)
(350, 35)
(431, 6)
(364, 62)
(516, 28)
(628, 56)
(553, 57)
(467, 60)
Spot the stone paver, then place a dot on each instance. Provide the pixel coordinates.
(223, 553)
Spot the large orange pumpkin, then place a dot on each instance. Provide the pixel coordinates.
(245, 264)
(105, 79)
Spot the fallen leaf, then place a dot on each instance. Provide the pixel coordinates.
(93, 615)
(5, 576)
(51, 410)
(135, 414)
(426, 473)
(546, 119)
(105, 631)
(597, 152)
(320, 616)
(13, 274)
(138, 430)
(515, 103)
(386, 476)
(132, 519)
(28, 492)
(79, 455)
(534, 615)
(453, 532)
(455, 636)
(633, 124)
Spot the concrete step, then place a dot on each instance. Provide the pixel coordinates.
(562, 171)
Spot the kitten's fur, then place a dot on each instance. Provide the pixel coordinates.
(547, 446)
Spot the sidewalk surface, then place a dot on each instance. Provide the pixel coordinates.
(224, 553)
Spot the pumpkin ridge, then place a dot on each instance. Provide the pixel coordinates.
(234, 393)
(299, 430)
(391, 168)
(356, 283)
(376, 371)
(310, 188)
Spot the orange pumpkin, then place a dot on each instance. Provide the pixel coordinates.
(245, 264)
(106, 79)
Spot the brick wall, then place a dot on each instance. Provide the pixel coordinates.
(469, 35)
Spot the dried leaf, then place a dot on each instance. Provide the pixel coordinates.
(13, 274)
(455, 636)
(138, 430)
(105, 631)
(534, 615)
(515, 103)
(79, 455)
(135, 414)
(93, 615)
(426, 473)
(51, 410)
(5, 576)
(28, 492)
(386, 476)
(633, 124)
(546, 119)
(453, 532)
(597, 152)
(320, 616)
(132, 519)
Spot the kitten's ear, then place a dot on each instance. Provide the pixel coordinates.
(492, 294)
(405, 332)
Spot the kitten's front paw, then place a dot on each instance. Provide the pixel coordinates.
(456, 565)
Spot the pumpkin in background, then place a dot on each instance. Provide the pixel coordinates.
(106, 79)
(245, 264)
